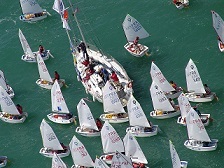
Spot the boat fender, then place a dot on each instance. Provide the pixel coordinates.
(55, 116)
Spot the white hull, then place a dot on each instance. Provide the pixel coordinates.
(205, 118)
(173, 95)
(183, 164)
(220, 48)
(50, 153)
(3, 160)
(193, 97)
(60, 118)
(112, 118)
(48, 85)
(184, 3)
(27, 58)
(87, 132)
(139, 131)
(201, 146)
(32, 18)
(138, 51)
(15, 119)
(164, 114)
(107, 158)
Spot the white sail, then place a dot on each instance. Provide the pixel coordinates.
(49, 138)
(86, 119)
(99, 163)
(59, 6)
(30, 7)
(121, 161)
(159, 100)
(174, 156)
(57, 100)
(218, 25)
(43, 72)
(26, 47)
(57, 162)
(158, 77)
(3, 80)
(111, 141)
(136, 114)
(79, 153)
(133, 28)
(184, 105)
(195, 127)
(7, 104)
(111, 101)
(194, 82)
(132, 149)
(65, 24)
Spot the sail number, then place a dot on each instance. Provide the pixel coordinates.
(194, 76)
(137, 112)
(134, 26)
(43, 66)
(81, 150)
(113, 137)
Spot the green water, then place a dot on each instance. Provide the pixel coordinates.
(176, 36)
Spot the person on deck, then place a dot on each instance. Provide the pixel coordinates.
(56, 76)
(19, 108)
(172, 102)
(221, 43)
(41, 50)
(99, 124)
(114, 77)
(207, 90)
(82, 46)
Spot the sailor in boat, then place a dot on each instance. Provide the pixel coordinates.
(56, 76)
(135, 47)
(221, 43)
(104, 74)
(82, 47)
(114, 78)
(174, 85)
(42, 51)
(177, 2)
(99, 124)
(207, 90)
(16, 117)
(138, 165)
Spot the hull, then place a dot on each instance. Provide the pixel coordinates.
(138, 51)
(140, 131)
(50, 153)
(32, 17)
(201, 146)
(173, 95)
(27, 58)
(61, 118)
(220, 46)
(164, 114)
(14, 119)
(3, 161)
(193, 97)
(87, 132)
(205, 118)
(183, 164)
(48, 85)
(113, 118)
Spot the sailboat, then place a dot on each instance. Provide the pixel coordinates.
(111, 142)
(99, 163)
(28, 55)
(198, 139)
(139, 124)
(180, 4)
(87, 123)
(132, 29)
(175, 158)
(80, 155)
(133, 150)
(32, 11)
(60, 113)
(92, 81)
(195, 88)
(57, 162)
(161, 81)
(185, 107)
(9, 112)
(51, 143)
(112, 106)
(162, 106)
(218, 25)
(5, 85)
(121, 161)
(3, 161)
(45, 80)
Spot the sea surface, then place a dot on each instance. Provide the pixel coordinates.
(176, 36)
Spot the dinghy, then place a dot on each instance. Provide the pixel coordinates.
(60, 113)
(121, 161)
(80, 155)
(111, 142)
(175, 158)
(161, 81)
(185, 107)
(9, 112)
(57, 162)
(45, 80)
(99, 163)
(112, 106)
(28, 55)
(134, 151)
(195, 88)
(139, 124)
(93, 80)
(162, 106)
(87, 123)
(5, 85)
(51, 143)
(198, 139)
(180, 4)
(218, 25)
(3, 161)
(132, 29)
(32, 11)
